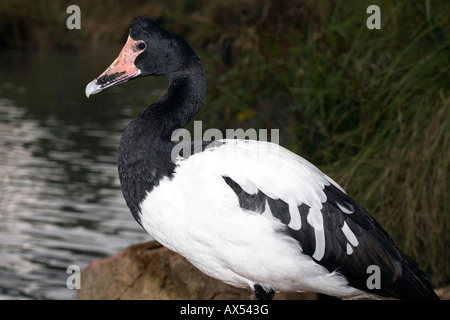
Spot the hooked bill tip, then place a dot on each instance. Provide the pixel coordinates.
(92, 88)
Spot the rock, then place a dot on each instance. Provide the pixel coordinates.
(443, 292)
(149, 271)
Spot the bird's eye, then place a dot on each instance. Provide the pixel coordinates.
(141, 46)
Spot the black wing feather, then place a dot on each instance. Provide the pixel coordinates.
(400, 276)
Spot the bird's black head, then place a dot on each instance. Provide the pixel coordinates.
(149, 50)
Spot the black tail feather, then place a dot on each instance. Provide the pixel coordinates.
(414, 284)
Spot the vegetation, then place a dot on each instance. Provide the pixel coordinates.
(370, 107)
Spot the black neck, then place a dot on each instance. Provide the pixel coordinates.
(181, 102)
(145, 148)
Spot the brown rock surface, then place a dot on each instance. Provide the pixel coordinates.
(149, 271)
(443, 293)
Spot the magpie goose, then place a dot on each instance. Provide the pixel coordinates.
(250, 213)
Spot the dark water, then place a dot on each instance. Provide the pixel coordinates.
(60, 199)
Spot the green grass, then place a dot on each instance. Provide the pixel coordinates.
(369, 107)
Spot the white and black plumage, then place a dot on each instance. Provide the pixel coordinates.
(246, 212)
